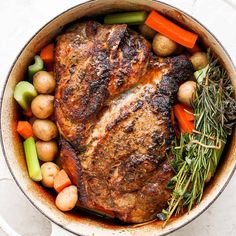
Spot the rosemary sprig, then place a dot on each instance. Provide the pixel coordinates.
(197, 155)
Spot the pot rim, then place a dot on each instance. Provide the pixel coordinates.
(4, 89)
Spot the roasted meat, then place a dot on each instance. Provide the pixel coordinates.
(113, 107)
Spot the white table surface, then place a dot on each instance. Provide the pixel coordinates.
(19, 20)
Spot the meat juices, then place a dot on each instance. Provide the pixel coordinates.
(113, 105)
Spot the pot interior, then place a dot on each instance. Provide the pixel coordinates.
(82, 222)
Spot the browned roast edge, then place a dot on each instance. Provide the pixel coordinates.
(71, 164)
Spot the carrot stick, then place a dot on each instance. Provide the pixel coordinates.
(187, 127)
(184, 117)
(24, 128)
(171, 30)
(194, 49)
(61, 181)
(187, 112)
(47, 55)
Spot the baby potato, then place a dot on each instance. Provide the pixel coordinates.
(49, 170)
(44, 82)
(186, 92)
(45, 130)
(146, 31)
(42, 106)
(47, 151)
(199, 60)
(163, 46)
(67, 198)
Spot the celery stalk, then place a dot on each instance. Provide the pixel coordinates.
(37, 66)
(24, 93)
(32, 159)
(132, 18)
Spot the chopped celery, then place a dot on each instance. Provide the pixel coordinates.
(37, 66)
(32, 159)
(201, 74)
(132, 18)
(24, 93)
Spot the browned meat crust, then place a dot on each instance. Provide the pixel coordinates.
(113, 105)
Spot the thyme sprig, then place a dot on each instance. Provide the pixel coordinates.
(197, 155)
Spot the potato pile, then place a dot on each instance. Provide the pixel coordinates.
(45, 130)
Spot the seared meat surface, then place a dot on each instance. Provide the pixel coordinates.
(113, 109)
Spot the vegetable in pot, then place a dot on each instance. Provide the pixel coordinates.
(45, 130)
(184, 117)
(164, 26)
(37, 66)
(47, 55)
(42, 106)
(24, 128)
(24, 93)
(67, 198)
(132, 18)
(163, 46)
(199, 60)
(32, 159)
(49, 171)
(61, 181)
(201, 74)
(44, 82)
(47, 151)
(146, 31)
(186, 92)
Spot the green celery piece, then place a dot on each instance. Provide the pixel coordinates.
(24, 93)
(32, 159)
(36, 67)
(201, 74)
(132, 18)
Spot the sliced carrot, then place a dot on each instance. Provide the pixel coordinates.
(28, 113)
(187, 127)
(24, 128)
(164, 26)
(194, 49)
(186, 112)
(185, 118)
(61, 181)
(47, 55)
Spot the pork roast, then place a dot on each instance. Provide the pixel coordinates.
(113, 107)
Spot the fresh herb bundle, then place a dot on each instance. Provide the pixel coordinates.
(197, 155)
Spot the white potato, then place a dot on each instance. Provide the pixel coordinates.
(67, 198)
(47, 151)
(163, 46)
(42, 106)
(186, 92)
(44, 82)
(45, 130)
(199, 60)
(49, 170)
